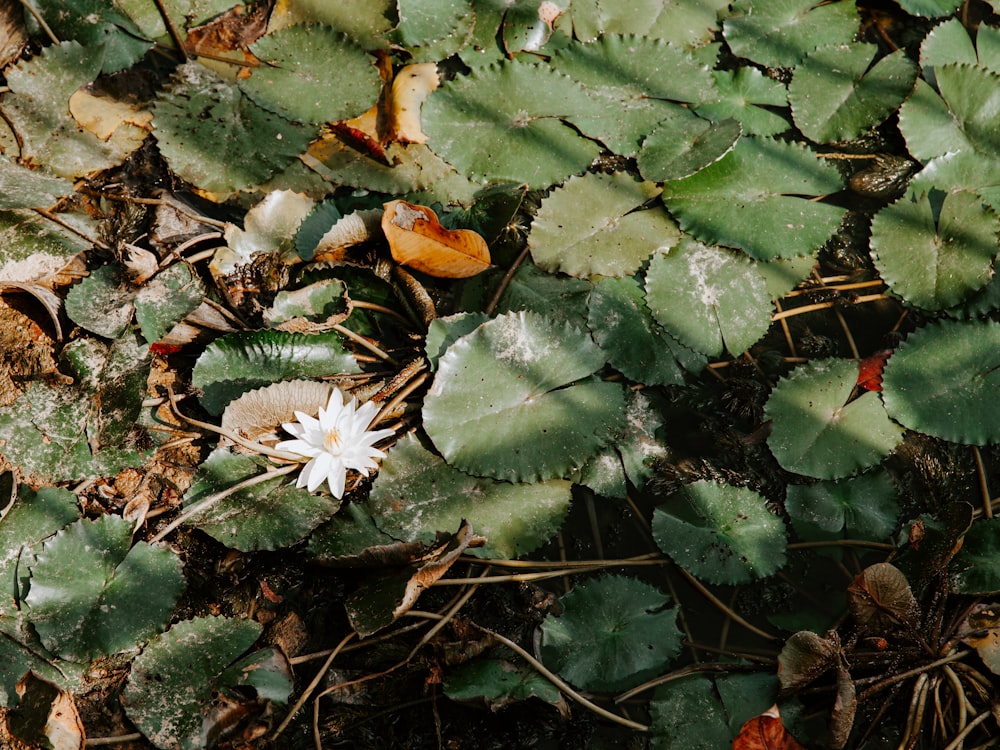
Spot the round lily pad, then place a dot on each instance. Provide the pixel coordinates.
(683, 145)
(418, 495)
(758, 197)
(711, 299)
(614, 633)
(818, 432)
(515, 400)
(837, 92)
(175, 680)
(935, 250)
(500, 124)
(944, 380)
(862, 507)
(93, 593)
(976, 568)
(265, 516)
(295, 78)
(593, 225)
(720, 533)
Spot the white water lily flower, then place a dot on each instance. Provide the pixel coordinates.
(335, 443)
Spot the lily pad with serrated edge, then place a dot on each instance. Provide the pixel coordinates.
(499, 683)
(294, 78)
(167, 299)
(757, 198)
(961, 118)
(112, 40)
(266, 516)
(102, 303)
(557, 297)
(439, 24)
(675, 703)
(817, 432)
(33, 517)
(21, 187)
(711, 299)
(632, 83)
(862, 507)
(239, 362)
(503, 123)
(624, 328)
(682, 146)
(36, 107)
(417, 495)
(216, 137)
(515, 400)
(687, 24)
(838, 91)
(614, 632)
(747, 95)
(445, 331)
(930, 8)
(935, 250)
(721, 534)
(944, 380)
(780, 33)
(175, 680)
(94, 593)
(593, 225)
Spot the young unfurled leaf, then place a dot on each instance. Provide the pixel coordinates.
(805, 657)
(417, 239)
(880, 598)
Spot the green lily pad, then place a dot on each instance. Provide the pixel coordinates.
(672, 708)
(498, 684)
(500, 124)
(433, 30)
(46, 432)
(685, 144)
(961, 118)
(632, 83)
(93, 593)
(417, 495)
(948, 42)
(21, 187)
(641, 446)
(943, 380)
(216, 137)
(514, 400)
(975, 571)
(265, 516)
(624, 328)
(557, 297)
(368, 23)
(25, 234)
(748, 96)
(593, 225)
(33, 517)
(780, 33)
(443, 332)
(863, 507)
(930, 8)
(528, 24)
(723, 534)
(837, 92)
(687, 23)
(167, 299)
(614, 633)
(757, 197)
(239, 362)
(112, 40)
(710, 298)
(934, 251)
(179, 675)
(149, 19)
(345, 538)
(817, 432)
(102, 303)
(295, 80)
(270, 227)
(37, 107)
(316, 223)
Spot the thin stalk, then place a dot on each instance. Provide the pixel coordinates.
(884, 683)
(713, 599)
(505, 281)
(363, 342)
(984, 485)
(825, 306)
(959, 740)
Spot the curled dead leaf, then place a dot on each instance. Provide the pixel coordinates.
(417, 239)
(766, 732)
(45, 715)
(102, 115)
(409, 89)
(880, 598)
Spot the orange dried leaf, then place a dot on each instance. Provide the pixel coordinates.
(765, 732)
(418, 240)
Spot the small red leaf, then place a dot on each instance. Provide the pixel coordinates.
(766, 732)
(870, 370)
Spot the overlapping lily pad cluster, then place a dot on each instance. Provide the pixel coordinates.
(682, 167)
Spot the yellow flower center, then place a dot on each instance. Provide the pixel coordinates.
(332, 441)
